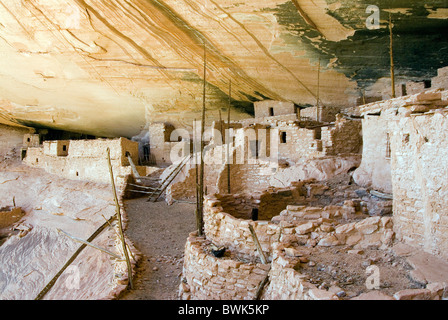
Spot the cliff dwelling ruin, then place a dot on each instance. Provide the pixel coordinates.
(191, 150)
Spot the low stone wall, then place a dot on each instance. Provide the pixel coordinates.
(288, 284)
(317, 229)
(285, 283)
(206, 277)
(323, 226)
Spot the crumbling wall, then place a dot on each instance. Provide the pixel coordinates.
(288, 284)
(441, 80)
(269, 108)
(344, 137)
(326, 114)
(159, 141)
(206, 277)
(11, 140)
(226, 223)
(296, 143)
(85, 159)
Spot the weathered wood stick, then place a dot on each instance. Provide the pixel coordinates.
(89, 244)
(257, 244)
(201, 169)
(228, 138)
(392, 67)
(120, 224)
(143, 187)
(261, 286)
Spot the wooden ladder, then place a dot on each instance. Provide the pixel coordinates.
(155, 194)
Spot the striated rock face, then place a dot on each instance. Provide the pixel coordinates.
(108, 67)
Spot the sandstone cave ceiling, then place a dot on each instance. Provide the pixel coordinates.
(108, 67)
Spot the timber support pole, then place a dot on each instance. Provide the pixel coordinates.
(200, 215)
(120, 223)
(392, 66)
(228, 137)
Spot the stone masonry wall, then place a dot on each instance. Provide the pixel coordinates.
(419, 177)
(323, 226)
(86, 159)
(344, 137)
(417, 127)
(11, 140)
(206, 277)
(262, 108)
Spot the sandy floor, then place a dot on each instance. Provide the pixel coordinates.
(159, 232)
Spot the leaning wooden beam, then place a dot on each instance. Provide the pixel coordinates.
(89, 244)
(129, 249)
(261, 286)
(263, 260)
(133, 167)
(120, 224)
(257, 244)
(50, 284)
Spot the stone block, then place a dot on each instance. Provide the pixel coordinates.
(413, 294)
(368, 225)
(329, 241)
(305, 228)
(345, 228)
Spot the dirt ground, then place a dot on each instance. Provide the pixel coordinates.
(159, 232)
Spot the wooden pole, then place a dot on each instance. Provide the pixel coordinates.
(220, 124)
(120, 224)
(196, 213)
(392, 67)
(228, 137)
(257, 244)
(318, 92)
(201, 172)
(89, 244)
(263, 260)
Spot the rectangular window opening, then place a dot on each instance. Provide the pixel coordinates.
(283, 137)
